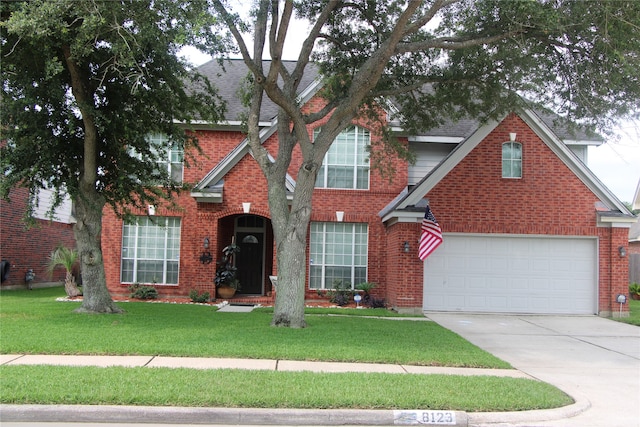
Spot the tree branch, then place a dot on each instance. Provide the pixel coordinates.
(453, 43)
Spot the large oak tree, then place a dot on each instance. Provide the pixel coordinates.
(83, 85)
(436, 60)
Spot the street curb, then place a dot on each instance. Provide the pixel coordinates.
(487, 419)
(230, 416)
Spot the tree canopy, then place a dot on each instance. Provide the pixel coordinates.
(84, 84)
(438, 60)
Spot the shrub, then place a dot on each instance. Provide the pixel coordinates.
(195, 297)
(374, 302)
(143, 292)
(341, 294)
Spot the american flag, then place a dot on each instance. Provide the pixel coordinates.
(431, 236)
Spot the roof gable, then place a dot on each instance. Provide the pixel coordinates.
(406, 208)
(210, 188)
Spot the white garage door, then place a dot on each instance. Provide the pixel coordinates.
(505, 274)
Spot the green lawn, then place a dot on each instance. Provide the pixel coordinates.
(33, 322)
(634, 313)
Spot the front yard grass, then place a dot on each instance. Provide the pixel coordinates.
(34, 323)
(269, 389)
(634, 313)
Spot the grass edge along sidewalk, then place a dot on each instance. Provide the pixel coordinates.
(23, 313)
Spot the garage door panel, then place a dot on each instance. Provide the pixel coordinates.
(520, 274)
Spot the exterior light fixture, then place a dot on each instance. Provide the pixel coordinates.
(205, 256)
(622, 251)
(621, 299)
(405, 246)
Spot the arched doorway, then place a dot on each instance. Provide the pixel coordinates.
(251, 236)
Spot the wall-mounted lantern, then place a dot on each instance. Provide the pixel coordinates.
(622, 251)
(205, 257)
(405, 247)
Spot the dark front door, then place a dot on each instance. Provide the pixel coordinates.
(249, 262)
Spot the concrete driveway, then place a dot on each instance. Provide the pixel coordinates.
(595, 360)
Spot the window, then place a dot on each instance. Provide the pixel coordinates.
(346, 164)
(171, 156)
(512, 160)
(338, 251)
(151, 251)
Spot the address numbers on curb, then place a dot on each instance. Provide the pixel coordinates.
(415, 417)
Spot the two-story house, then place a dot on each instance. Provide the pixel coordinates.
(527, 227)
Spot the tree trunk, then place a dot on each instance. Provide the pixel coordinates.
(88, 231)
(291, 247)
(70, 286)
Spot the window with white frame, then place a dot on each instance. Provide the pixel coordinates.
(346, 164)
(338, 251)
(151, 251)
(171, 156)
(512, 160)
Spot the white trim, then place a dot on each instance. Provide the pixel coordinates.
(582, 142)
(439, 139)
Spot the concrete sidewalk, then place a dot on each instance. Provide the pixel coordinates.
(251, 364)
(248, 416)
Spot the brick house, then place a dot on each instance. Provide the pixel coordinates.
(527, 227)
(22, 248)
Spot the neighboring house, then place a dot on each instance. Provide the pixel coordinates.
(22, 248)
(634, 242)
(527, 227)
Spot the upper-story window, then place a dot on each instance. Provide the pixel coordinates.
(512, 160)
(346, 164)
(171, 157)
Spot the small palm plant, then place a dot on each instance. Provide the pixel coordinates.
(65, 257)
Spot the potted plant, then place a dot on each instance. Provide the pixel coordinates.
(226, 282)
(634, 291)
(65, 257)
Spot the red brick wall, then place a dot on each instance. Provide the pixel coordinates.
(246, 183)
(29, 248)
(404, 270)
(548, 200)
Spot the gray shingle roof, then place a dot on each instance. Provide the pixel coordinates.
(230, 76)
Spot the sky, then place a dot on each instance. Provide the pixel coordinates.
(617, 163)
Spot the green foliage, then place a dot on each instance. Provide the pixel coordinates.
(341, 294)
(197, 297)
(634, 313)
(268, 389)
(226, 270)
(634, 289)
(34, 322)
(62, 256)
(143, 292)
(578, 58)
(104, 77)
